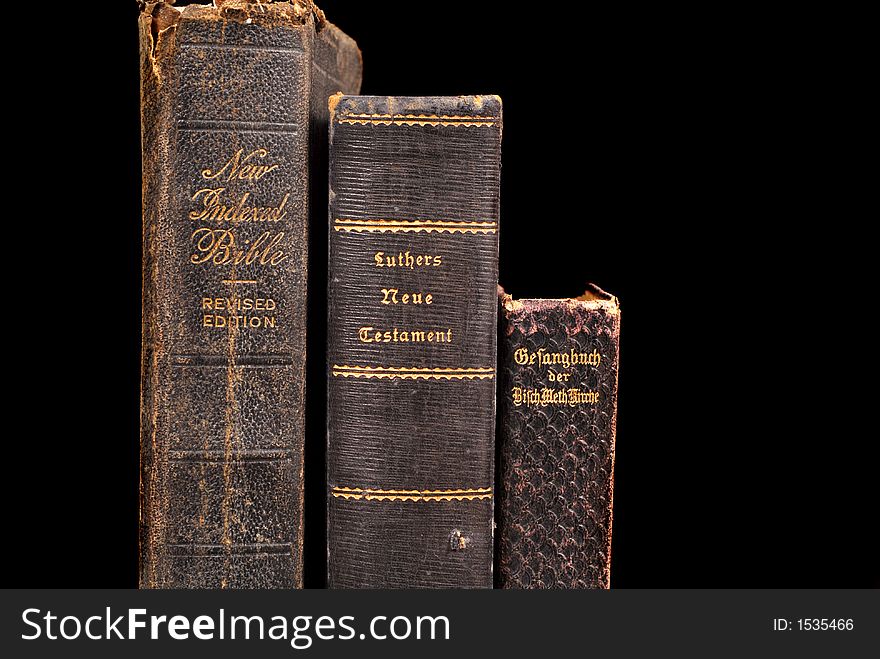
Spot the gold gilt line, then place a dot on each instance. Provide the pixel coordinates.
(402, 497)
(412, 376)
(412, 495)
(392, 373)
(415, 376)
(428, 226)
(410, 122)
(411, 229)
(471, 117)
(340, 220)
(413, 368)
(418, 120)
(371, 490)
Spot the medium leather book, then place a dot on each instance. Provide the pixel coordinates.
(558, 363)
(227, 98)
(413, 269)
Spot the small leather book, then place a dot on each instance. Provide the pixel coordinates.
(412, 340)
(229, 119)
(558, 363)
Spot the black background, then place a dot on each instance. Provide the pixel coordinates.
(645, 152)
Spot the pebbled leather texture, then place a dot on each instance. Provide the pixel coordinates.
(556, 458)
(226, 90)
(411, 422)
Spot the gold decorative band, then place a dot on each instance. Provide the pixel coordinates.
(414, 226)
(417, 120)
(370, 494)
(412, 373)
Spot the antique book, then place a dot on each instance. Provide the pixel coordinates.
(231, 95)
(558, 363)
(414, 209)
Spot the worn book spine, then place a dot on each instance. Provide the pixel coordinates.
(412, 340)
(226, 123)
(558, 363)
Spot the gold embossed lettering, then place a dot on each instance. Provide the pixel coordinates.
(553, 376)
(216, 208)
(407, 260)
(239, 322)
(243, 167)
(398, 335)
(541, 357)
(219, 247)
(547, 396)
(394, 296)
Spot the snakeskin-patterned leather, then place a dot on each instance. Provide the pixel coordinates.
(556, 462)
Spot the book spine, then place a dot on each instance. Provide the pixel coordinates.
(558, 369)
(226, 125)
(412, 338)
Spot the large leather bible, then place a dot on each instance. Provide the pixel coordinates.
(413, 271)
(232, 98)
(558, 409)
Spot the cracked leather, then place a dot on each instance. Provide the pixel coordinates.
(411, 445)
(224, 334)
(556, 453)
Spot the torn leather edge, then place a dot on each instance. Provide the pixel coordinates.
(593, 298)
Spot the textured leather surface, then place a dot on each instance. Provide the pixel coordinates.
(414, 207)
(227, 122)
(556, 460)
